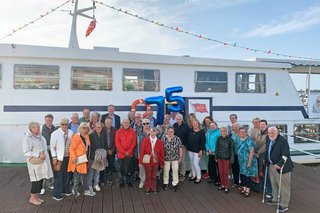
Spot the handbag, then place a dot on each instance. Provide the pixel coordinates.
(146, 159)
(35, 161)
(81, 159)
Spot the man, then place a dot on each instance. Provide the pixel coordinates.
(153, 120)
(47, 129)
(233, 119)
(86, 115)
(59, 146)
(115, 118)
(74, 124)
(181, 130)
(278, 156)
(126, 140)
(173, 118)
(110, 133)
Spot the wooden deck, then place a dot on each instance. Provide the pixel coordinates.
(15, 187)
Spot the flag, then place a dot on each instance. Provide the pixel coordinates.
(91, 27)
(200, 108)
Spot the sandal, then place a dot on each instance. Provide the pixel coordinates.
(246, 194)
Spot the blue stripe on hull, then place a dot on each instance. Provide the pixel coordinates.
(28, 108)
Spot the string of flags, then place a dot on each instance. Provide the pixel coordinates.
(200, 36)
(35, 20)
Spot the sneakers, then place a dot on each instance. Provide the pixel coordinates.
(283, 209)
(76, 194)
(147, 192)
(97, 188)
(141, 185)
(272, 203)
(175, 188)
(89, 193)
(268, 196)
(109, 182)
(67, 194)
(182, 178)
(165, 186)
(50, 187)
(43, 191)
(57, 198)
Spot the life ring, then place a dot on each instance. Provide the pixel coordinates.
(140, 101)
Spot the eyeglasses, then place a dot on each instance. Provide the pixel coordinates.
(84, 127)
(170, 131)
(146, 123)
(64, 124)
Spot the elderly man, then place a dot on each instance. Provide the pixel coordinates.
(74, 124)
(126, 140)
(86, 116)
(278, 156)
(115, 118)
(233, 119)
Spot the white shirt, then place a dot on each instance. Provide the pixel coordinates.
(57, 142)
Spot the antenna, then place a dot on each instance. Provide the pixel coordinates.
(73, 41)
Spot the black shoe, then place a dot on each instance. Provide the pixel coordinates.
(121, 185)
(175, 188)
(221, 188)
(197, 181)
(147, 191)
(129, 184)
(217, 183)
(165, 186)
(272, 203)
(193, 179)
(283, 209)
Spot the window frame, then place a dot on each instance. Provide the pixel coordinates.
(303, 141)
(262, 84)
(157, 82)
(212, 82)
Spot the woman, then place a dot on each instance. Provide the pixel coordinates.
(211, 139)
(97, 142)
(247, 160)
(153, 147)
(78, 160)
(235, 166)
(225, 156)
(34, 147)
(172, 158)
(205, 126)
(162, 128)
(195, 147)
(95, 117)
(59, 146)
(191, 117)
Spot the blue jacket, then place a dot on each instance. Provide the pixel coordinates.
(211, 139)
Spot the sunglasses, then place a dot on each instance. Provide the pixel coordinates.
(146, 123)
(84, 127)
(64, 124)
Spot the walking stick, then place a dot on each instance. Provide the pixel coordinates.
(279, 191)
(265, 184)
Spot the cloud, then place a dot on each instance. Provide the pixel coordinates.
(297, 21)
(217, 3)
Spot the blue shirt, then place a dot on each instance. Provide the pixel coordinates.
(74, 128)
(269, 150)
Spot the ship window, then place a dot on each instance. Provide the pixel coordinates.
(282, 128)
(211, 81)
(91, 78)
(36, 77)
(250, 82)
(141, 80)
(0, 77)
(306, 131)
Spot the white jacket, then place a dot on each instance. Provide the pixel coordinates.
(57, 143)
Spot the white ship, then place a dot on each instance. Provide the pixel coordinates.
(37, 80)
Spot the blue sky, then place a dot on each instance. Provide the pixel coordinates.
(288, 26)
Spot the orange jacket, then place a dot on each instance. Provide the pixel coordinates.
(77, 148)
(126, 140)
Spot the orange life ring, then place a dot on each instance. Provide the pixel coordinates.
(140, 101)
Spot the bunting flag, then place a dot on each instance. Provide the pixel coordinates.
(201, 36)
(91, 27)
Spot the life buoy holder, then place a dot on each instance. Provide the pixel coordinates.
(140, 101)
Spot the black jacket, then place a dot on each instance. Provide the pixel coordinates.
(196, 141)
(96, 142)
(116, 117)
(182, 132)
(279, 148)
(110, 145)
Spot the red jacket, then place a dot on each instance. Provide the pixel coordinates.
(147, 149)
(126, 140)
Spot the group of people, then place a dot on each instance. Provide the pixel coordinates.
(85, 150)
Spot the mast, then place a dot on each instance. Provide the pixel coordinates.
(73, 41)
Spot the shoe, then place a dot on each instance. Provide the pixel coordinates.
(50, 187)
(89, 193)
(182, 178)
(155, 191)
(234, 185)
(43, 191)
(76, 194)
(205, 176)
(283, 209)
(141, 185)
(190, 174)
(165, 186)
(268, 196)
(246, 194)
(147, 191)
(102, 185)
(57, 198)
(109, 182)
(197, 181)
(121, 185)
(68, 194)
(97, 188)
(272, 203)
(221, 188)
(193, 178)
(129, 184)
(226, 190)
(217, 183)
(175, 188)
(35, 202)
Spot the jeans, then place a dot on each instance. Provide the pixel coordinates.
(61, 182)
(93, 176)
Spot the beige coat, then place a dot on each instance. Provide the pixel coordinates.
(32, 146)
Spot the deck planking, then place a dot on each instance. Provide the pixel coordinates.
(190, 197)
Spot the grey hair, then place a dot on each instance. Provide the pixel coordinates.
(273, 128)
(179, 116)
(33, 124)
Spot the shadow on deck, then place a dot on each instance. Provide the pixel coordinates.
(15, 188)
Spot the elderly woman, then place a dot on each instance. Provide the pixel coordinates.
(35, 149)
(78, 160)
(59, 146)
(152, 147)
(247, 160)
(235, 166)
(195, 147)
(95, 117)
(211, 140)
(163, 127)
(97, 142)
(172, 158)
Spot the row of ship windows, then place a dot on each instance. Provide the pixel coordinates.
(305, 131)
(99, 78)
